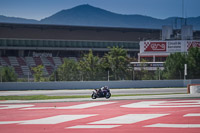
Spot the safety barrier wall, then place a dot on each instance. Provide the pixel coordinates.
(195, 89)
(95, 84)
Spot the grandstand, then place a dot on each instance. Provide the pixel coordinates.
(23, 65)
(23, 46)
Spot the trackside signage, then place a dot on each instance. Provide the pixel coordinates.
(168, 46)
(154, 46)
(175, 46)
(191, 44)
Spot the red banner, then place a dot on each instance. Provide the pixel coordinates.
(154, 46)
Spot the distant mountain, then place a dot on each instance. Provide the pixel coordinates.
(86, 15)
(17, 20)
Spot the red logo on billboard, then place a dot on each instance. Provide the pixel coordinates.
(155, 46)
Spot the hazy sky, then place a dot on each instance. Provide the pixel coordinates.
(39, 9)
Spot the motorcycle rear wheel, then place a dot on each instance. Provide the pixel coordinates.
(93, 96)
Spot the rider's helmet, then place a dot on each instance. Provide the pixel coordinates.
(106, 87)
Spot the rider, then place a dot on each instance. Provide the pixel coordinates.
(104, 90)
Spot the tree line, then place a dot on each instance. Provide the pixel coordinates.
(115, 65)
(174, 65)
(112, 66)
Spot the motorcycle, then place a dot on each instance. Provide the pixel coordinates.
(98, 93)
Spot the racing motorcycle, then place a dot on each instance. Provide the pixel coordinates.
(98, 93)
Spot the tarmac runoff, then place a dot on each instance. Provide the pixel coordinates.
(130, 116)
(171, 96)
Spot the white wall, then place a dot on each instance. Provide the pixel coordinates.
(95, 84)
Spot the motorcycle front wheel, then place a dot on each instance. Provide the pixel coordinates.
(108, 95)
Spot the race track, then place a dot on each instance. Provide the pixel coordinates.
(89, 92)
(124, 116)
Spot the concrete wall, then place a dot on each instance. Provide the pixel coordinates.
(95, 84)
(195, 89)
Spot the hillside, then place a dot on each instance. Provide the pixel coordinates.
(86, 15)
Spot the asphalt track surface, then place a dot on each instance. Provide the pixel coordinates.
(111, 116)
(89, 92)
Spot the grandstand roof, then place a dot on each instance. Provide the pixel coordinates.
(63, 32)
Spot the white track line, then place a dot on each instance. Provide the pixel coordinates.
(94, 126)
(79, 106)
(85, 105)
(175, 125)
(38, 108)
(163, 104)
(50, 120)
(14, 106)
(128, 119)
(192, 114)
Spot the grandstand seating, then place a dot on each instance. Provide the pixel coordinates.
(6, 60)
(13, 61)
(46, 62)
(18, 70)
(21, 61)
(49, 69)
(37, 60)
(57, 61)
(3, 63)
(73, 58)
(23, 65)
(26, 70)
(50, 59)
(30, 61)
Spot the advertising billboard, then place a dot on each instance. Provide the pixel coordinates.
(175, 46)
(193, 44)
(154, 46)
(168, 46)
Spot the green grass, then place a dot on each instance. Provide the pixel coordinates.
(44, 97)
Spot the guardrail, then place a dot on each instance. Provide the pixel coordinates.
(95, 84)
